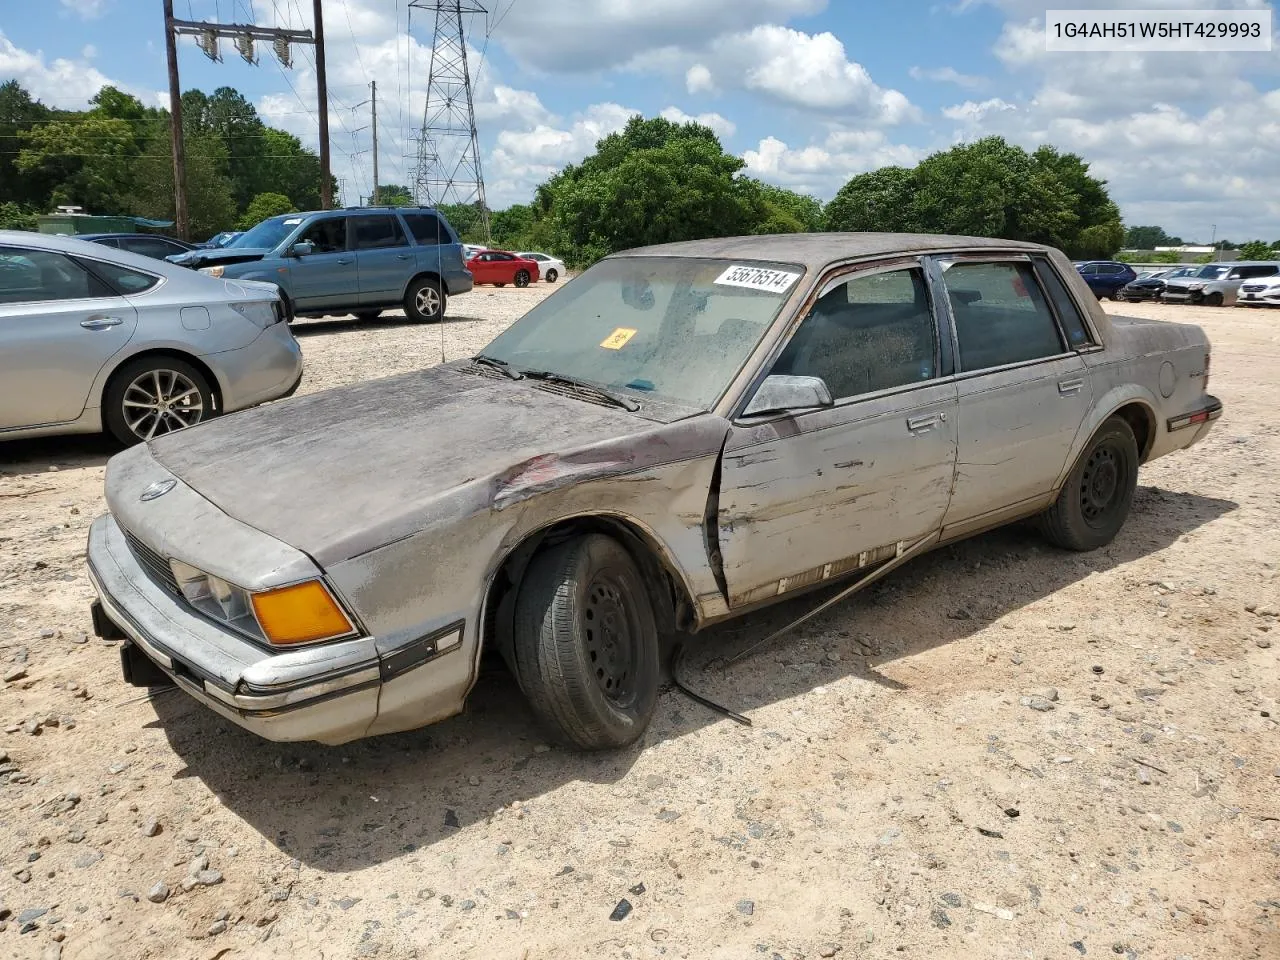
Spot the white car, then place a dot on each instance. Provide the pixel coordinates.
(550, 268)
(1259, 292)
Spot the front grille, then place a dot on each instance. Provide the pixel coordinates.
(156, 566)
(1254, 287)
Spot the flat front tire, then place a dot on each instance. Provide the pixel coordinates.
(152, 396)
(425, 301)
(586, 643)
(1094, 502)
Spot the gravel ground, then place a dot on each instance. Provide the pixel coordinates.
(1001, 751)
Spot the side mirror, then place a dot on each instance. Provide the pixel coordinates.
(782, 392)
(303, 248)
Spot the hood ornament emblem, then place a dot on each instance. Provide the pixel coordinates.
(157, 489)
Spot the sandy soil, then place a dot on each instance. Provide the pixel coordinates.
(895, 796)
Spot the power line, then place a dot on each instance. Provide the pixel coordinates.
(352, 30)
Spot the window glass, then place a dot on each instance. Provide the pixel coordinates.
(329, 235)
(1113, 269)
(1261, 270)
(1068, 313)
(871, 333)
(375, 233)
(427, 228)
(38, 275)
(1000, 314)
(151, 247)
(1089, 269)
(123, 279)
(505, 257)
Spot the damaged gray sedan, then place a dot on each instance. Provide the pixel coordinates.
(681, 435)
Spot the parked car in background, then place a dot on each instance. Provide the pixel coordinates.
(1215, 284)
(469, 250)
(1150, 284)
(93, 337)
(219, 239)
(680, 436)
(501, 267)
(1106, 277)
(361, 260)
(1261, 292)
(145, 244)
(551, 268)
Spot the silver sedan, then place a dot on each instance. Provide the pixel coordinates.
(93, 338)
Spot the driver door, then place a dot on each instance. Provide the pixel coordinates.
(809, 495)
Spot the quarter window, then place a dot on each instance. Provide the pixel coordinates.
(427, 229)
(873, 332)
(375, 233)
(39, 275)
(1068, 313)
(125, 281)
(328, 235)
(1001, 316)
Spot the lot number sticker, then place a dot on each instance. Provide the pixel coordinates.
(618, 339)
(757, 278)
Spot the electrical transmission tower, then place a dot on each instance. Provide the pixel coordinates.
(448, 169)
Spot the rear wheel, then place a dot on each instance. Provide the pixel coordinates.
(152, 396)
(425, 300)
(586, 643)
(553, 276)
(1094, 502)
(367, 315)
(522, 278)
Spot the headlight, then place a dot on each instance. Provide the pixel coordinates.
(302, 613)
(212, 271)
(1195, 286)
(261, 312)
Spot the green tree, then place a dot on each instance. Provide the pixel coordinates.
(13, 217)
(210, 205)
(265, 205)
(19, 112)
(785, 211)
(90, 161)
(1099, 242)
(879, 200)
(1255, 250)
(1166, 256)
(1148, 238)
(392, 195)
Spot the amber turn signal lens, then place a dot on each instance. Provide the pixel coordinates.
(303, 613)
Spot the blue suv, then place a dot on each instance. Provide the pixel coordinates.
(361, 260)
(1106, 278)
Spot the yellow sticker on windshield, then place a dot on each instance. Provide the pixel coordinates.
(618, 339)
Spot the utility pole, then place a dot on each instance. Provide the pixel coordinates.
(373, 102)
(322, 93)
(175, 126)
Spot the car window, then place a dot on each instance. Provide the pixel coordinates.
(124, 280)
(329, 235)
(872, 333)
(41, 275)
(1115, 269)
(1000, 314)
(156, 247)
(1068, 313)
(1261, 270)
(427, 228)
(1089, 269)
(503, 256)
(375, 233)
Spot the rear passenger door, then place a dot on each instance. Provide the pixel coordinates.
(1023, 391)
(814, 494)
(383, 258)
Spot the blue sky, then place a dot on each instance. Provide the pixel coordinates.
(808, 92)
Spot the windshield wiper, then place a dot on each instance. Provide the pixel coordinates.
(586, 386)
(501, 366)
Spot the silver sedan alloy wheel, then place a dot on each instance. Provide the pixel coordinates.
(161, 401)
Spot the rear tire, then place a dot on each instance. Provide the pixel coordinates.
(152, 396)
(586, 643)
(552, 276)
(425, 301)
(1095, 499)
(522, 278)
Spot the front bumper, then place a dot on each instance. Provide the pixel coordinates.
(1181, 295)
(327, 693)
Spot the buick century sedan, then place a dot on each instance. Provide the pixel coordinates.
(682, 435)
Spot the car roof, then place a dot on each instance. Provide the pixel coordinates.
(818, 249)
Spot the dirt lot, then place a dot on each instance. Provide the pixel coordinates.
(896, 796)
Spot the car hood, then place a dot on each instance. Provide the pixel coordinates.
(342, 472)
(216, 255)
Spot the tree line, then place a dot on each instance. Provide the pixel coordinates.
(114, 158)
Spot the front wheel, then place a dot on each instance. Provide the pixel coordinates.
(152, 396)
(425, 300)
(1213, 300)
(522, 278)
(1094, 502)
(586, 643)
(553, 276)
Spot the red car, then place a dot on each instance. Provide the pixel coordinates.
(500, 268)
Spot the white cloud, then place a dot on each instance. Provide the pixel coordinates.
(822, 168)
(86, 9)
(64, 83)
(697, 79)
(89, 51)
(722, 126)
(948, 75)
(971, 112)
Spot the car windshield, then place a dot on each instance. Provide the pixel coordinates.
(268, 234)
(677, 328)
(1211, 272)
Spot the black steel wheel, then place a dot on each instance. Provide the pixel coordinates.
(586, 643)
(522, 278)
(1094, 502)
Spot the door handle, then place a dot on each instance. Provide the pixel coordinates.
(100, 323)
(922, 424)
(1069, 388)
(402, 256)
(344, 260)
